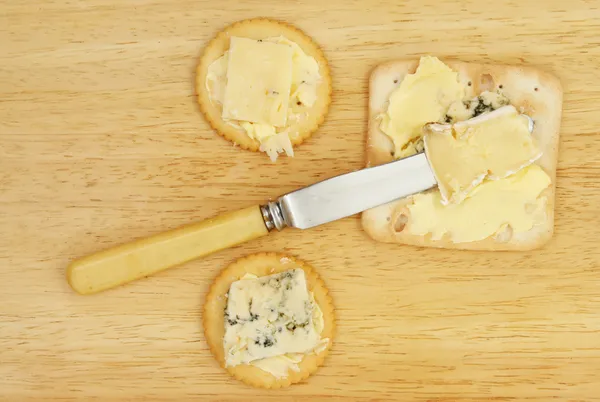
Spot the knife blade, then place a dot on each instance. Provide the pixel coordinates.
(351, 193)
(315, 205)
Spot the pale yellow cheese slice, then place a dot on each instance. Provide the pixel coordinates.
(493, 146)
(259, 80)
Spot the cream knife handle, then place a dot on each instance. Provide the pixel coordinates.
(128, 262)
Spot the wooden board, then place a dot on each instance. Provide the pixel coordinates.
(101, 142)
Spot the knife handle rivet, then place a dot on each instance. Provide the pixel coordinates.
(273, 216)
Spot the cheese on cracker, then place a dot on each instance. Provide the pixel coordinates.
(268, 320)
(496, 178)
(262, 80)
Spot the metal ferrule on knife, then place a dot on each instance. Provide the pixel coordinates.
(273, 216)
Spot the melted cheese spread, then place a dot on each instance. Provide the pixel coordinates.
(263, 101)
(271, 322)
(492, 146)
(421, 98)
(515, 201)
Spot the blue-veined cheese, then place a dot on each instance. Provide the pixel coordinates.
(271, 322)
(485, 102)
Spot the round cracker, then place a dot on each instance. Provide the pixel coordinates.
(260, 28)
(214, 325)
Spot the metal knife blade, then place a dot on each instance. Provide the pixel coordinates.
(351, 193)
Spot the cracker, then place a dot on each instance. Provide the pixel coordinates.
(534, 92)
(260, 28)
(214, 326)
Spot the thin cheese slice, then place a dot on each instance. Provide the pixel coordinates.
(492, 146)
(259, 80)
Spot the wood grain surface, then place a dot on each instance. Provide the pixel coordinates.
(101, 142)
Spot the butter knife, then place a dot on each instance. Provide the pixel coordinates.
(317, 204)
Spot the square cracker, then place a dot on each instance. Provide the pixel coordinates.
(532, 91)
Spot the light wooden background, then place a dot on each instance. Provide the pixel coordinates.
(101, 142)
